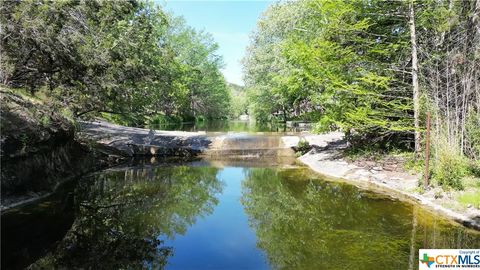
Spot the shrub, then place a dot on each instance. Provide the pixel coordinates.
(45, 121)
(123, 119)
(200, 118)
(449, 169)
(303, 147)
(161, 119)
(475, 168)
(472, 134)
(24, 140)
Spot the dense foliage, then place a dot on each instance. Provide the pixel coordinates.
(333, 59)
(127, 58)
(349, 62)
(449, 73)
(239, 100)
(372, 69)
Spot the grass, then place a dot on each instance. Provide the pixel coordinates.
(419, 190)
(376, 153)
(470, 197)
(40, 97)
(471, 182)
(413, 164)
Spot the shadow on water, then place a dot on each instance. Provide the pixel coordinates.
(119, 215)
(29, 232)
(42, 182)
(203, 215)
(37, 174)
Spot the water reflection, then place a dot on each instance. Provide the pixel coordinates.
(29, 232)
(303, 223)
(196, 216)
(222, 240)
(121, 213)
(224, 126)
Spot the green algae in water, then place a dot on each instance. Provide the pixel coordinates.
(302, 222)
(194, 216)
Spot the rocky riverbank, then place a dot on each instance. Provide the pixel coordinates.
(389, 177)
(38, 150)
(129, 141)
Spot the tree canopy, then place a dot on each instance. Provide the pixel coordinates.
(129, 58)
(348, 65)
(333, 60)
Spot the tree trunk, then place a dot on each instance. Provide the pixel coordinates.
(413, 250)
(416, 90)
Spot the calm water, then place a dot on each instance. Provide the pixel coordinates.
(236, 216)
(223, 126)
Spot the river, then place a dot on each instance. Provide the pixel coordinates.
(221, 214)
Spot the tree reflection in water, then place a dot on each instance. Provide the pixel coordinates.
(304, 223)
(121, 214)
(300, 221)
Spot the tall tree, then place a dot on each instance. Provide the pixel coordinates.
(415, 85)
(340, 63)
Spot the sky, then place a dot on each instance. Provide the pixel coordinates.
(229, 22)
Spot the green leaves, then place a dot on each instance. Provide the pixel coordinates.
(128, 58)
(336, 58)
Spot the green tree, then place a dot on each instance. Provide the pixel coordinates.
(239, 101)
(206, 93)
(126, 58)
(265, 65)
(336, 59)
